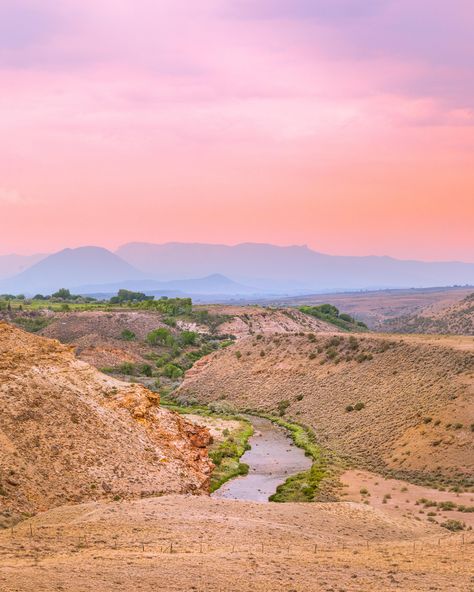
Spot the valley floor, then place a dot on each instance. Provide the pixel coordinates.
(197, 543)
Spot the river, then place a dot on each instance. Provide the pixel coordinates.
(272, 459)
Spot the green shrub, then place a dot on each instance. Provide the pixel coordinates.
(188, 337)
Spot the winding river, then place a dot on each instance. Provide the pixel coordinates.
(272, 459)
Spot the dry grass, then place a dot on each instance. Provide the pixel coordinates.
(189, 543)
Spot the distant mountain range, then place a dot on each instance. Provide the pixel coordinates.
(291, 269)
(195, 268)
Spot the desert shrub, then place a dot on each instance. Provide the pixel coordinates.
(349, 408)
(238, 355)
(128, 335)
(160, 336)
(283, 406)
(145, 370)
(447, 506)
(453, 525)
(169, 321)
(299, 397)
(162, 360)
(359, 406)
(172, 371)
(312, 355)
(353, 343)
(127, 368)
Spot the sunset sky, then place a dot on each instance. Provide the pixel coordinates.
(346, 125)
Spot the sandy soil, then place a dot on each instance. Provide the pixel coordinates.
(215, 425)
(403, 497)
(196, 543)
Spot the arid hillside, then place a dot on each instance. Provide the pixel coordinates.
(403, 404)
(69, 433)
(386, 310)
(442, 317)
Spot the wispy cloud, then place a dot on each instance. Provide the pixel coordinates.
(11, 196)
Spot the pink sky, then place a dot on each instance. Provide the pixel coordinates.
(347, 126)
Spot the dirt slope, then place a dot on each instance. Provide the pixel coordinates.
(248, 320)
(417, 395)
(221, 545)
(69, 433)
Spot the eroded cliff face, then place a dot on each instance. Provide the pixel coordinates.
(69, 433)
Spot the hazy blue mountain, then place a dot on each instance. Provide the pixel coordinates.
(290, 269)
(69, 268)
(13, 264)
(212, 284)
